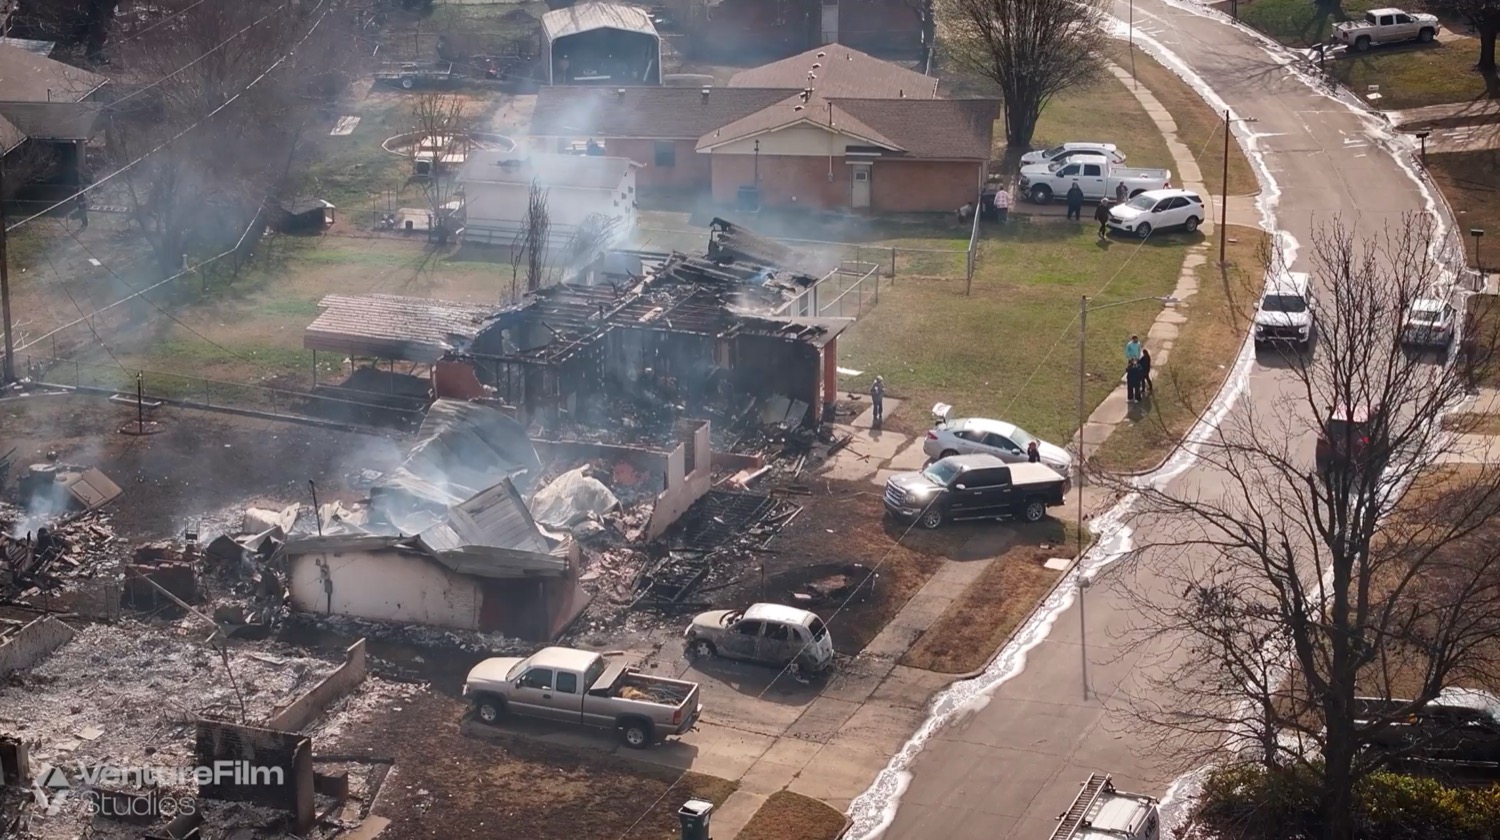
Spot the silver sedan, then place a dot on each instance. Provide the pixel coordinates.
(1006, 441)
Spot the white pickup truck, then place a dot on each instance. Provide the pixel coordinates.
(1094, 174)
(1386, 26)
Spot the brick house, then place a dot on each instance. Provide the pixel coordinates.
(868, 135)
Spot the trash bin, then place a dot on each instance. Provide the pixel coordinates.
(694, 815)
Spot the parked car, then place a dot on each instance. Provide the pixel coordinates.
(1005, 441)
(765, 634)
(1158, 210)
(1285, 310)
(1096, 176)
(1348, 439)
(1460, 726)
(1386, 26)
(1069, 150)
(1429, 323)
(974, 487)
(584, 687)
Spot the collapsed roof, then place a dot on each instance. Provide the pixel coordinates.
(463, 448)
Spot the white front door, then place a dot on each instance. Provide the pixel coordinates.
(861, 197)
(830, 21)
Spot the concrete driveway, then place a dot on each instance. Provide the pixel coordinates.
(1011, 765)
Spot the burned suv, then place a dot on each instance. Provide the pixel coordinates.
(1348, 439)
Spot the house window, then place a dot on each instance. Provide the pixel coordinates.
(666, 153)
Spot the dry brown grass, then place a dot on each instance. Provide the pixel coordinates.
(977, 624)
(792, 816)
(1185, 384)
(1472, 424)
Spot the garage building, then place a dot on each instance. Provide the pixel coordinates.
(601, 44)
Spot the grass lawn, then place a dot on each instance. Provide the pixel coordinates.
(1199, 127)
(1206, 347)
(792, 816)
(1473, 424)
(979, 622)
(1409, 75)
(1471, 182)
(1010, 350)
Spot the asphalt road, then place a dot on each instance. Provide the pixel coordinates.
(1011, 768)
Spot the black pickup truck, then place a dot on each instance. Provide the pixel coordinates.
(974, 487)
(1460, 726)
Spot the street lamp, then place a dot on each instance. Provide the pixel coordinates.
(757, 164)
(1083, 645)
(1224, 188)
(1423, 135)
(1477, 233)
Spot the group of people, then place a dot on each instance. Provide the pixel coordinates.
(1137, 370)
(1101, 213)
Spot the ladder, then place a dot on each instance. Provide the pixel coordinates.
(1070, 821)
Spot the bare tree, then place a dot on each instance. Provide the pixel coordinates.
(1292, 587)
(547, 262)
(1031, 50)
(215, 126)
(1484, 16)
(532, 241)
(441, 129)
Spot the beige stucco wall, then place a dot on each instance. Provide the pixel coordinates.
(386, 586)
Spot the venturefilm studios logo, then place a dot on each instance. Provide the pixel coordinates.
(136, 792)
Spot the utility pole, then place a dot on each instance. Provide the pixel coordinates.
(8, 374)
(1224, 194)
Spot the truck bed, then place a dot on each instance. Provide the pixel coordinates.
(1118, 172)
(651, 690)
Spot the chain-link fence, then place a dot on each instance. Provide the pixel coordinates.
(891, 259)
(328, 403)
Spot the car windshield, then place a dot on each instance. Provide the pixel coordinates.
(1021, 438)
(1424, 316)
(1142, 202)
(1283, 303)
(1056, 165)
(819, 630)
(732, 616)
(1054, 152)
(943, 472)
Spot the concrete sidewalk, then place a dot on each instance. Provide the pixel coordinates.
(1476, 112)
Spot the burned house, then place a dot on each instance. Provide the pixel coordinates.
(600, 44)
(697, 335)
(448, 539)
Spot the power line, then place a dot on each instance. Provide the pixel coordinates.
(179, 135)
(64, 284)
(131, 37)
(221, 45)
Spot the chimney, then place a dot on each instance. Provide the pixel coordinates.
(620, 92)
(705, 92)
(902, 93)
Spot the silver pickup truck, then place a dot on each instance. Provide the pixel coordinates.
(580, 686)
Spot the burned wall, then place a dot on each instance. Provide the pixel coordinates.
(306, 709)
(257, 765)
(32, 643)
(384, 585)
(689, 477)
(767, 366)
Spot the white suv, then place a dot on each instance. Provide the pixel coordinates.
(1064, 151)
(1285, 310)
(1156, 210)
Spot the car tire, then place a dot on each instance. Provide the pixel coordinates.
(1034, 511)
(490, 710)
(931, 518)
(1144, 231)
(702, 649)
(1191, 225)
(947, 453)
(635, 734)
(1362, 43)
(1426, 36)
(1041, 194)
(406, 84)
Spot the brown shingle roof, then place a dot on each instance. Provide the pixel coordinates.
(791, 111)
(962, 129)
(28, 77)
(936, 129)
(844, 72)
(645, 113)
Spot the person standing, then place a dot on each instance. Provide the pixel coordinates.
(1002, 204)
(1075, 202)
(1101, 215)
(1133, 349)
(1146, 385)
(1033, 453)
(1132, 381)
(1121, 193)
(877, 401)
